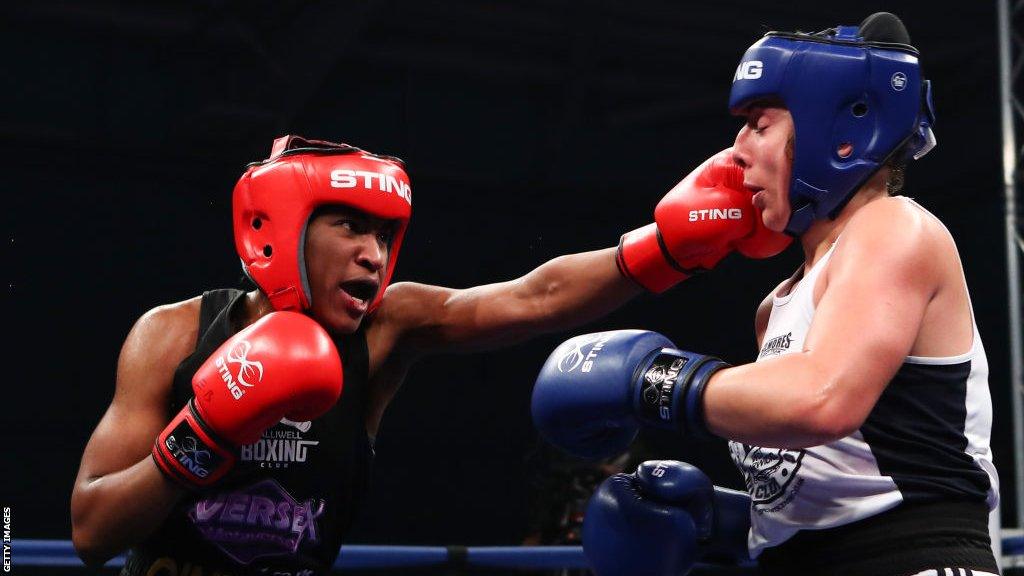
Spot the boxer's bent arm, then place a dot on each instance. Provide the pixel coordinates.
(562, 293)
(119, 496)
(879, 284)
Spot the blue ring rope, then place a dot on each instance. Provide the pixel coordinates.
(61, 553)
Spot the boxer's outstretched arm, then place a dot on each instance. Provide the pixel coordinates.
(562, 293)
(701, 220)
(878, 287)
(120, 496)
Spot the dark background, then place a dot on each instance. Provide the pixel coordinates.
(531, 129)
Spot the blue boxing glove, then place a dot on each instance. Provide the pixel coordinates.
(595, 390)
(662, 519)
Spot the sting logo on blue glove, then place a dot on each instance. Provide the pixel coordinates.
(659, 384)
(572, 359)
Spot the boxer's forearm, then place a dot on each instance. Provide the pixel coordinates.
(792, 401)
(116, 511)
(575, 289)
(560, 294)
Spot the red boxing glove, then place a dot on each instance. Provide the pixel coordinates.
(703, 218)
(283, 365)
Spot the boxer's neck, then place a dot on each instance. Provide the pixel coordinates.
(822, 234)
(257, 305)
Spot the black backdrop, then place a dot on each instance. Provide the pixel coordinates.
(531, 130)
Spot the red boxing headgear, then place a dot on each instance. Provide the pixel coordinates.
(275, 198)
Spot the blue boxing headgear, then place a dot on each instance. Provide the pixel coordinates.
(856, 86)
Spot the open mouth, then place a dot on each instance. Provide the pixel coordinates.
(361, 290)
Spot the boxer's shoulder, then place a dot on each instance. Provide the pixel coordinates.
(160, 339)
(405, 308)
(897, 220)
(173, 322)
(893, 231)
(408, 303)
(408, 309)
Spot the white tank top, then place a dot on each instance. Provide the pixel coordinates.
(926, 439)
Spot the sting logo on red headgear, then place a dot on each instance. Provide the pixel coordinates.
(274, 199)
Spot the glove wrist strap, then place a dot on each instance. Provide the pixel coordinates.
(189, 453)
(670, 390)
(643, 258)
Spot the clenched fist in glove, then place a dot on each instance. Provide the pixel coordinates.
(283, 365)
(595, 390)
(662, 519)
(705, 217)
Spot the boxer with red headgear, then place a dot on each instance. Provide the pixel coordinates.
(278, 392)
(274, 199)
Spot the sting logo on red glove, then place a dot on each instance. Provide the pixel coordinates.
(191, 453)
(716, 214)
(247, 369)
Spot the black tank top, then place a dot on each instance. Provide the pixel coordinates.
(287, 503)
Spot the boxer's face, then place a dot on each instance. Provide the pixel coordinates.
(764, 148)
(346, 257)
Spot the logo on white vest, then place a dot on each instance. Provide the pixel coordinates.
(770, 474)
(776, 345)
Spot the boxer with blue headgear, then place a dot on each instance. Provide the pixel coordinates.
(858, 101)
(863, 428)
